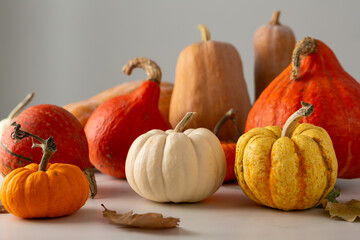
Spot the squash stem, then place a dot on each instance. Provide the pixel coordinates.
(21, 106)
(89, 173)
(228, 115)
(205, 34)
(304, 47)
(152, 70)
(48, 146)
(275, 18)
(305, 111)
(182, 124)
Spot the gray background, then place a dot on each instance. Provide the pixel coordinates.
(69, 50)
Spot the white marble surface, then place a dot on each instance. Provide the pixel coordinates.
(228, 214)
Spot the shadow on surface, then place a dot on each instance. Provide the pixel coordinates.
(160, 232)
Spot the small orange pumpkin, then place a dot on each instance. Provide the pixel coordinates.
(43, 190)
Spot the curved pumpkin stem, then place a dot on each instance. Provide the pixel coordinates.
(291, 123)
(228, 115)
(186, 119)
(48, 146)
(21, 105)
(275, 18)
(90, 175)
(152, 70)
(205, 34)
(304, 47)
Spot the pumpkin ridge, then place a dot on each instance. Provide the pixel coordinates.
(154, 192)
(134, 180)
(255, 190)
(28, 195)
(328, 168)
(269, 159)
(56, 177)
(75, 202)
(162, 172)
(301, 183)
(195, 190)
(21, 176)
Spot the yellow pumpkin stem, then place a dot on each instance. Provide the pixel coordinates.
(20, 106)
(275, 18)
(228, 115)
(182, 124)
(291, 123)
(205, 34)
(152, 70)
(48, 146)
(304, 47)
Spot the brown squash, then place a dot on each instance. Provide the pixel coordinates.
(83, 109)
(273, 47)
(209, 80)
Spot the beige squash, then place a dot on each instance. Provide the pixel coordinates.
(209, 80)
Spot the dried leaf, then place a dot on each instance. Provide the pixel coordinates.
(147, 220)
(348, 211)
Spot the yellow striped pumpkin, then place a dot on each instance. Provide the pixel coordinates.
(292, 168)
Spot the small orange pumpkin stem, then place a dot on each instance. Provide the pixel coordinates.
(275, 18)
(182, 124)
(21, 105)
(291, 123)
(228, 115)
(205, 34)
(152, 70)
(48, 146)
(304, 47)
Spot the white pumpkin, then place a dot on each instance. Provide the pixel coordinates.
(7, 121)
(176, 166)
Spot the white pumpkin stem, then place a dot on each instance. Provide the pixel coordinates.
(48, 146)
(21, 106)
(304, 47)
(228, 115)
(205, 34)
(152, 70)
(291, 123)
(182, 124)
(275, 18)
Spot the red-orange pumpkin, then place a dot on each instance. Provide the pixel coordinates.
(47, 120)
(316, 76)
(115, 124)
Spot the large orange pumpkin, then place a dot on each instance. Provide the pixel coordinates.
(316, 76)
(209, 80)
